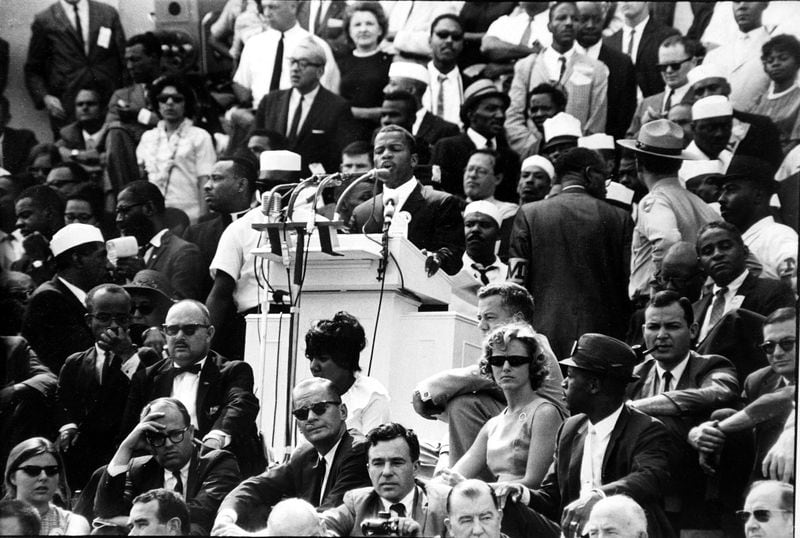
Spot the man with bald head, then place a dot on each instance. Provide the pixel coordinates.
(293, 517)
(618, 516)
(472, 507)
(320, 471)
(217, 393)
(317, 123)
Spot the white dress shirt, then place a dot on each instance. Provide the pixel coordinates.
(419, 115)
(407, 501)
(677, 95)
(637, 37)
(453, 94)
(552, 62)
(400, 194)
(732, 301)
(497, 269)
(184, 388)
(153, 244)
(775, 246)
(76, 291)
(83, 13)
(511, 28)
(592, 52)
(479, 140)
(367, 402)
(594, 449)
(317, 10)
(676, 373)
(328, 457)
(170, 481)
(308, 100)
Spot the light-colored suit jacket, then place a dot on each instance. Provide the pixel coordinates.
(586, 86)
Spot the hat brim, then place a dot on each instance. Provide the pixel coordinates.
(721, 180)
(149, 291)
(561, 139)
(469, 103)
(633, 146)
(572, 363)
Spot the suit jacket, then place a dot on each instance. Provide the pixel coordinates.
(363, 503)
(57, 63)
(452, 155)
(577, 250)
(648, 76)
(637, 462)
(17, 145)
(54, 324)
(211, 477)
(736, 337)
(436, 224)
(225, 401)
(180, 261)
(653, 101)
(621, 90)
(331, 25)
(433, 128)
(327, 129)
(759, 383)
(205, 235)
(762, 139)
(585, 81)
(298, 478)
(71, 137)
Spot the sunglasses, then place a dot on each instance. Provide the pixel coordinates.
(674, 65)
(36, 470)
(160, 439)
(787, 344)
(762, 516)
(319, 408)
(122, 319)
(144, 309)
(512, 360)
(444, 34)
(163, 98)
(188, 329)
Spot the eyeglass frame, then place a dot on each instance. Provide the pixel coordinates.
(301, 413)
(787, 344)
(175, 437)
(662, 68)
(302, 64)
(189, 329)
(765, 515)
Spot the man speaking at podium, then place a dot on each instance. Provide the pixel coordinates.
(435, 225)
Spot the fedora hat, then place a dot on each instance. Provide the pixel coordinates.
(748, 168)
(153, 283)
(604, 355)
(481, 89)
(661, 138)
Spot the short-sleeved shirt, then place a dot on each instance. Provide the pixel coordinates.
(367, 402)
(775, 246)
(510, 28)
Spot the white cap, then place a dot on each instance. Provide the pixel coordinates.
(704, 71)
(597, 141)
(485, 207)
(73, 235)
(693, 169)
(4, 172)
(280, 160)
(562, 124)
(541, 162)
(713, 106)
(410, 70)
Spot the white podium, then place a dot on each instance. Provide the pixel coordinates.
(409, 344)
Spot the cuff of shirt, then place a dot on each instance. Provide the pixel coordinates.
(116, 470)
(220, 435)
(525, 498)
(228, 513)
(70, 426)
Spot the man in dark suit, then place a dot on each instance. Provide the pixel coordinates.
(140, 213)
(572, 252)
(70, 48)
(436, 225)
(317, 123)
(722, 255)
(177, 462)
(93, 385)
(639, 38)
(326, 20)
(217, 393)
(393, 463)
(16, 144)
(333, 457)
(54, 322)
(631, 452)
(40, 213)
(82, 141)
(483, 114)
(621, 73)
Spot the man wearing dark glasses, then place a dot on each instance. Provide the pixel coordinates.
(176, 462)
(320, 471)
(769, 510)
(217, 393)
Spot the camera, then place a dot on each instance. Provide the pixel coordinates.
(383, 525)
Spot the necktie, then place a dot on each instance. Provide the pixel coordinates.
(79, 27)
(482, 271)
(178, 482)
(666, 378)
(296, 120)
(668, 102)
(277, 68)
(440, 97)
(563, 62)
(318, 19)
(111, 362)
(399, 509)
(489, 143)
(191, 369)
(629, 52)
(319, 477)
(717, 308)
(526, 35)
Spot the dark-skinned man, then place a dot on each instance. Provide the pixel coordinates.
(482, 223)
(712, 124)
(40, 214)
(436, 226)
(445, 92)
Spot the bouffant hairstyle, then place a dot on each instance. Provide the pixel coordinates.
(342, 338)
(499, 338)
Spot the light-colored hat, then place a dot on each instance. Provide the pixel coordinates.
(481, 89)
(74, 235)
(4, 172)
(662, 138)
(410, 70)
(693, 169)
(562, 125)
(597, 141)
(485, 207)
(280, 160)
(713, 106)
(540, 162)
(704, 71)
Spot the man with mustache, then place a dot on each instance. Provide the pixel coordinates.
(445, 92)
(482, 223)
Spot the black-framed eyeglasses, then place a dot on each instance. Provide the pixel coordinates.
(762, 516)
(102, 317)
(302, 64)
(125, 209)
(144, 308)
(36, 470)
(189, 329)
(176, 98)
(513, 360)
(444, 34)
(787, 344)
(319, 408)
(674, 65)
(160, 439)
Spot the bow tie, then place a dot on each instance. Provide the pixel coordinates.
(191, 369)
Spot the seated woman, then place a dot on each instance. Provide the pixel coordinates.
(781, 103)
(333, 347)
(517, 445)
(34, 474)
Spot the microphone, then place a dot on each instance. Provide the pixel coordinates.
(271, 206)
(375, 173)
(388, 213)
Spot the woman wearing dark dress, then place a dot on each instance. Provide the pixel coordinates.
(365, 70)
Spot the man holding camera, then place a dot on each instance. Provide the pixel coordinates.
(396, 504)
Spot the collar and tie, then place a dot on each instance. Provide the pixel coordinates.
(399, 509)
(298, 112)
(112, 362)
(277, 67)
(482, 271)
(563, 61)
(666, 378)
(440, 97)
(526, 35)
(668, 102)
(319, 478)
(178, 482)
(717, 307)
(191, 369)
(79, 26)
(629, 52)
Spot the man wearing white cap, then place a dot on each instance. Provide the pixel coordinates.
(712, 122)
(54, 322)
(571, 251)
(561, 133)
(699, 177)
(482, 223)
(603, 145)
(535, 178)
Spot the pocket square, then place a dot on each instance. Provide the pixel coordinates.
(317, 131)
(213, 410)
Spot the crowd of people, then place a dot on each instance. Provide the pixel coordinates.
(617, 180)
